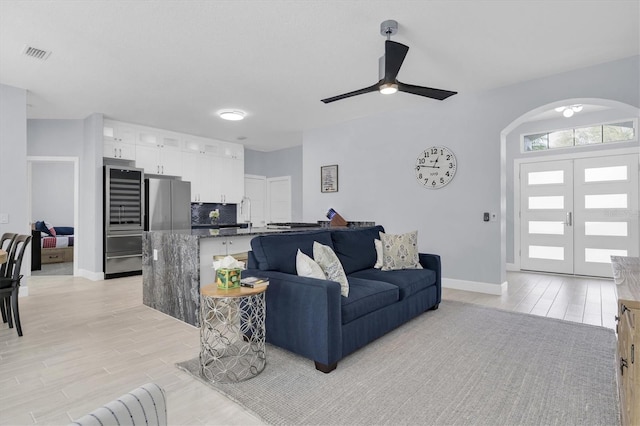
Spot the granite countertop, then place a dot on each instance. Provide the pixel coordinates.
(233, 232)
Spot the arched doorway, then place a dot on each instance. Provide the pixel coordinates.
(544, 119)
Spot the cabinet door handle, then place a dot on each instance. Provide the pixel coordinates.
(162, 169)
(623, 364)
(115, 152)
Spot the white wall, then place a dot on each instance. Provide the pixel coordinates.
(283, 162)
(376, 157)
(52, 192)
(81, 139)
(13, 166)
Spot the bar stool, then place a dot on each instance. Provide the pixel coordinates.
(10, 282)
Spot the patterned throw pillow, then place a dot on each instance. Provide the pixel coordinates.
(330, 264)
(307, 267)
(400, 251)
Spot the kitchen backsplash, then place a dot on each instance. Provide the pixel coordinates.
(200, 213)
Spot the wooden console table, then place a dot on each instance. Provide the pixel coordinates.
(626, 274)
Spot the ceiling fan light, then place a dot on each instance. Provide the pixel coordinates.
(567, 112)
(232, 115)
(576, 108)
(560, 108)
(388, 88)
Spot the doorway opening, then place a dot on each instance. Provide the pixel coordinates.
(544, 120)
(53, 184)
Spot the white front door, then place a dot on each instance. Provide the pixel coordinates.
(546, 208)
(575, 214)
(606, 212)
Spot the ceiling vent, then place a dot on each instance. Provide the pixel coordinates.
(35, 53)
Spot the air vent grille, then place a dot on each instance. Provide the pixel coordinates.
(36, 53)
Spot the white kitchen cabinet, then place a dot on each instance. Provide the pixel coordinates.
(210, 247)
(200, 162)
(229, 174)
(118, 141)
(158, 153)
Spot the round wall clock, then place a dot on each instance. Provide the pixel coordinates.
(435, 167)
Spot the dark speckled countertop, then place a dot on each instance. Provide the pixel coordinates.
(235, 232)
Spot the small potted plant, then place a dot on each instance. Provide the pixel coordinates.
(214, 215)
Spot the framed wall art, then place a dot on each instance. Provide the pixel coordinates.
(329, 178)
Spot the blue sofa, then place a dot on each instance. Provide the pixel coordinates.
(309, 317)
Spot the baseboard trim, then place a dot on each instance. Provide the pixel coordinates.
(511, 267)
(475, 286)
(93, 276)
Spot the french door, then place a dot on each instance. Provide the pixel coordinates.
(575, 214)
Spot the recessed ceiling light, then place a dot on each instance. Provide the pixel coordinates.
(232, 114)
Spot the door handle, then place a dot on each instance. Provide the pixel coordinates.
(568, 220)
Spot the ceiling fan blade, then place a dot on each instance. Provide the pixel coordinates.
(394, 54)
(428, 92)
(373, 88)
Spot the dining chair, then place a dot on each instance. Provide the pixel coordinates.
(10, 282)
(6, 242)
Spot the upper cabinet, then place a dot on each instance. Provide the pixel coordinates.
(119, 140)
(214, 168)
(159, 153)
(198, 165)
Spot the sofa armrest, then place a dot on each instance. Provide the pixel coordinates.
(432, 261)
(303, 315)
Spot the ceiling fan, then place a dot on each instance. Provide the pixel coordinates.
(390, 63)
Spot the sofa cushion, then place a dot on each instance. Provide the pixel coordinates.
(331, 266)
(277, 252)
(355, 247)
(366, 296)
(400, 251)
(409, 281)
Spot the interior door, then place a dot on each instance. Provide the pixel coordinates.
(279, 196)
(546, 224)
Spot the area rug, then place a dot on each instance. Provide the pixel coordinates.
(459, 365)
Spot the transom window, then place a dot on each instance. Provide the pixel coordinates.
(623, 131)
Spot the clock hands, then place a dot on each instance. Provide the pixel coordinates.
(433, 166)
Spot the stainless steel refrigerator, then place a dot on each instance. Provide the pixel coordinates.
(167, 205)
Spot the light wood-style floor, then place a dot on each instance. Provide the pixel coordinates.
(86, 343)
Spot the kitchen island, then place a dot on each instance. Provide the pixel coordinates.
(176, 263)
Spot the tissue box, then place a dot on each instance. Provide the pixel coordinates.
(228, 278)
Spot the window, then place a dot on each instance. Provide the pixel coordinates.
(580, 136)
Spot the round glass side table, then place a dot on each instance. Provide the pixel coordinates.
(232, 331)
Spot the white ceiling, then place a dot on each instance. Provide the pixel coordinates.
(173, 64)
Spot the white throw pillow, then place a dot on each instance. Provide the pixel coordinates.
(307, 267)
(379, 261)
(400, 251)
(331, 266)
